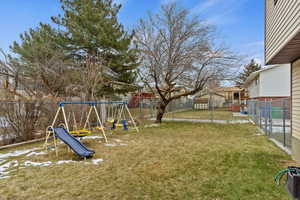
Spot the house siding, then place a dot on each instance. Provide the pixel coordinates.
(253, 88)
(296, 109)
(281, 25)
(276, 82)
(272, 83)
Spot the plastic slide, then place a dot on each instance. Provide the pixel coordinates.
(73, 143)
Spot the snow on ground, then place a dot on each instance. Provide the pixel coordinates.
(6, 165)
(4, 168)
(65, 162)
(42, 164)
(110, 145)
(92, 137)
(36, 153)
(97, 161)
(17, 153)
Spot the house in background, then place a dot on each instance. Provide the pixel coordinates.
(235, 97)
(208, 100)
(282, 45)
(269, 83)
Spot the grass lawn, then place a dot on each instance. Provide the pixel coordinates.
(204, 114)
(173, 161)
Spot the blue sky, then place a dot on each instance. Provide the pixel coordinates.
(239, 23)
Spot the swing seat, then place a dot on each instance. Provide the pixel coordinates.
(80, 133)
(99, 128)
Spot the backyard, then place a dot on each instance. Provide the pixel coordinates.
(170, 161)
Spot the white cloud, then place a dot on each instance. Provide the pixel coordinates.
(218, 12)
(205, 5)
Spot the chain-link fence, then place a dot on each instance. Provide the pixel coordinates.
(273, 117)
(22, 121)
(144, 108)
(206, 109)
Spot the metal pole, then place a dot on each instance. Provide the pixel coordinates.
(131, 118)
(271, 118)
(283, 121)
(88, 117)
(266, 116)
(99, 120)
(259, 108)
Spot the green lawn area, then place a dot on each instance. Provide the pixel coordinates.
(173, 161)
(204, 114)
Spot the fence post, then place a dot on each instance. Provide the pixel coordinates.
(271, 118)
(266, 117)
(260, 120)
(283, 121)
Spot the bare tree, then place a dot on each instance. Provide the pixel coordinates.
(179, 55)
(11, 73)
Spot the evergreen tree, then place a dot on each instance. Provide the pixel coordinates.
(92, 31)
(248, 69)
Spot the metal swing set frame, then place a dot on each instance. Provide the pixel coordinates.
(61, 109)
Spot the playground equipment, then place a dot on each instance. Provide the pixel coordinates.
(83, 131)
(113, 111)
(72, 142)
(117, 117)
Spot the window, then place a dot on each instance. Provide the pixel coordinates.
(275, 2)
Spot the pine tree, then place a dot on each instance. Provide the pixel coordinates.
(248, 69)
(92, 31)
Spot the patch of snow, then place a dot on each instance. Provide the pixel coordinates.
(34, 164)
(92, 137)
(97, 161)
(110, 145)
(36, 154)
(4, 177)
(123, 144)
(64, 162)
(17, 153)
(3, 168)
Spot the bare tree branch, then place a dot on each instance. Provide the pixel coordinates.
(179, 55)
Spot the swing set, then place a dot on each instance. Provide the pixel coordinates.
(112, 111)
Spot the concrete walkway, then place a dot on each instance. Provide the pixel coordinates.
(206, 121)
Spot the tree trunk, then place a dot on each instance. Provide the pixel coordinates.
(161, 108)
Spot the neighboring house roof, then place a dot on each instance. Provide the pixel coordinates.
(229, 89)
(206, 93)
(253, 75)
